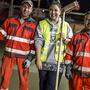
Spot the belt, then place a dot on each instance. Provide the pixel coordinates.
(81, 74)
(52, 67)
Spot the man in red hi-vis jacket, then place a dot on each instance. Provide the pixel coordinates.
(18, 33)
(77, 59)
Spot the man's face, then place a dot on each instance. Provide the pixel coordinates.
(26, 10)
(54, 12)
(87, 21)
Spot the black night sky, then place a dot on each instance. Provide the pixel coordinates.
(84, 4)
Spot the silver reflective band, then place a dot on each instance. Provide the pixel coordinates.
(16, 51)
(83, 54)
(3, 89)
(32, 52)
(3, 32)
(81, 68)
(78, 53)
(20, 39)
(67, 39)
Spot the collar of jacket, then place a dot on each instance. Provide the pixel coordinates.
(28, 19)
(52, 24)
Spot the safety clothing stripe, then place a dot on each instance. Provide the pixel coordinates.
(32, 52)
(81, 68)
(3, 89)
(16, 51)
(85, 54)
(3, 32)
(20, 39)
(67, 39)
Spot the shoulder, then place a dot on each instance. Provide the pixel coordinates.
(81, 32)
(77, 35)
(66, 23)
(43, 21)
(32, 20)
(10, 18)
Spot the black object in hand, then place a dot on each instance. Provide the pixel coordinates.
(68, 72)
(26, 63)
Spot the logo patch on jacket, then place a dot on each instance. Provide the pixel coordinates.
(28, 28)
(12, 25)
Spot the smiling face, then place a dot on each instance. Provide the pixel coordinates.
(26, 10)
(54, 12)
(87, 21)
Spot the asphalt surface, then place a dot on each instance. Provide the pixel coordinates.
(33, 79)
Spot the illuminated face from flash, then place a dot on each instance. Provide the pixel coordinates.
(26, 9)
(54, 12)
(87, 21)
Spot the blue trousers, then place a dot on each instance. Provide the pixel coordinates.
(47, 80)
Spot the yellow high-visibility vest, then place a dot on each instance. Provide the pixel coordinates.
(45, 29)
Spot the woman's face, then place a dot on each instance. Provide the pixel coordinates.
(54, 12)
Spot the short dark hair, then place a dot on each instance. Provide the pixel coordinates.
(56, 2)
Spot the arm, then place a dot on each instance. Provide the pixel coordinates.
(31, 55)
(2, 34)
(38, 44)
(3, 29)
(68, 60)
(69, 34)
(38, 55)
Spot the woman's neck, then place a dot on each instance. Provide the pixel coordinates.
(55, 21)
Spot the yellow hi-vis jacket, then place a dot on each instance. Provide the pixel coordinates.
(45, 30)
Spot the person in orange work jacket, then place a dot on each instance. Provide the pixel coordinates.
(18, 33)
(77, 59)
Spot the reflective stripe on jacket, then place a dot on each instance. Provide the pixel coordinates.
(19, 37)
(78, 52)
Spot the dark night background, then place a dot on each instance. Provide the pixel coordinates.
(84, 4)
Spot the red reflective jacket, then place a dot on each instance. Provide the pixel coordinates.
(19, 36)
(78, 52)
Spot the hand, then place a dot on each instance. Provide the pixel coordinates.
(58, 36)
(39, 64)
(68, 72)
(26, 63)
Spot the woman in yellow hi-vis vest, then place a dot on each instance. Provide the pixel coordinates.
(47, 42)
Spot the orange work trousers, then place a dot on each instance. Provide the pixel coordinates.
(6, 72)
(79, 83)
